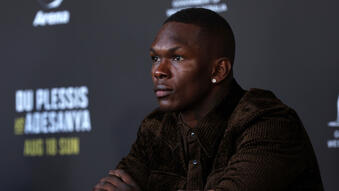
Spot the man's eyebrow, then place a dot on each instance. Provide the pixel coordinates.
(170, 50)
(152, 50)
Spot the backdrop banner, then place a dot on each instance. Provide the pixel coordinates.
(75, 80)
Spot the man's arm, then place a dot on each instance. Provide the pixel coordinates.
(269, 156)
(117, 180)
(132, 171)
(136, 163)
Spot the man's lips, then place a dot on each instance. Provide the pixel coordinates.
(162, 91)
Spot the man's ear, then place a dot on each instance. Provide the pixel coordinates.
(221, 69)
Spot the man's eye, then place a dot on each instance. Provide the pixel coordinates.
(155, 58)
(178, 58)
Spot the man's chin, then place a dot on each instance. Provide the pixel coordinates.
(168, 107)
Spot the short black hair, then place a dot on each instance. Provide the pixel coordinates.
(211, 22)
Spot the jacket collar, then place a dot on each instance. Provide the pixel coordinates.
(212, 127)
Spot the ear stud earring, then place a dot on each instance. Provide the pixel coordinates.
(214, 80)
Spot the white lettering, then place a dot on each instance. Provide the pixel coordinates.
(61, 122)
(335, 123)
(54, 98)
(183, 3)
(24, 100)
(51, 18)
(333, 143)
(83, 97)
(39, 99)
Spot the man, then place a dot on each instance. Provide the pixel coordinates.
(208, 133)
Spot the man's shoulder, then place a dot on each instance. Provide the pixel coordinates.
(258, 103)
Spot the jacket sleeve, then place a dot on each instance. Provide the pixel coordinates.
(269, 155)
(136, 162)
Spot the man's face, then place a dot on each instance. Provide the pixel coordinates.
(181, 69)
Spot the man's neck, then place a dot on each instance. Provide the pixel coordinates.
(193, 116)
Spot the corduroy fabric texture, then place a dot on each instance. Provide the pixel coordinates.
(262, 146)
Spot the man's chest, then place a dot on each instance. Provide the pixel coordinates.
(186, 165)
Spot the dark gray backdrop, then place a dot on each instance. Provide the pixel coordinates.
(290, 47)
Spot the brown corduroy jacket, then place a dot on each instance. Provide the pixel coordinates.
(264, 147)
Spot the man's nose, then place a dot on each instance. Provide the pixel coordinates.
(162, 71)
